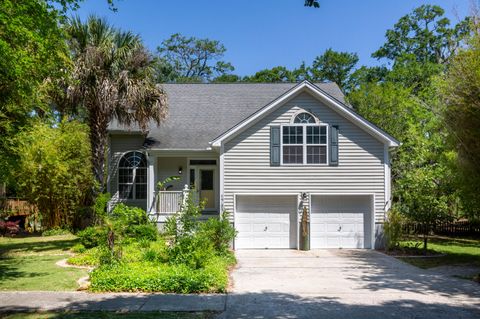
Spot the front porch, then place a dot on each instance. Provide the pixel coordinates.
(195, 174)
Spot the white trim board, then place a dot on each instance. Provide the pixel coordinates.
(318, 93)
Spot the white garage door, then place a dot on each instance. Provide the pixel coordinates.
(265, 221)
(341, 221)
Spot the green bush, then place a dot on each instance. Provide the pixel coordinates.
(219, 232)
(100, 206)
(93, 236)
(393, 228)
(128, 215)
(78, 249)
(192, 250)
(147, 232)
(56, 231)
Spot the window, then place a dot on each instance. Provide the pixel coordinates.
(304, 118)
(132, 176)
(292, 144)
(304, 144)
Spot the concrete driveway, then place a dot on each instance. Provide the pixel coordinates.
(343, 284)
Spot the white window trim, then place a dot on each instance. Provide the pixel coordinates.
(304, 145)
(132, 185)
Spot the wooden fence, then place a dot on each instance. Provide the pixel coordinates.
(454, 228)
(16, 207)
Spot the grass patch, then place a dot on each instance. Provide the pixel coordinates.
(457, 251)
(113, 315)
(29, 264)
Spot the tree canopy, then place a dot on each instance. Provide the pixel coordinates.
(189, 59)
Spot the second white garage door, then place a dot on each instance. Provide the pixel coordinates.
(265, 221)
(340, 221)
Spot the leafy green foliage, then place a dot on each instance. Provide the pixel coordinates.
(93, 236)
(189, 59)
(100, 206)
(123, 225)
(162, 185)
(459, 88)
(153, 277)
(424, 34)
(393, 228)
(184, 222)
(334, 66)
(53, 169)
(32, 53)
(274, 75)
(219, 232)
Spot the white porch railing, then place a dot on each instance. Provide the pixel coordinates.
(169, 201)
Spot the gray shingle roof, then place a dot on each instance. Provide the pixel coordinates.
(198, 113)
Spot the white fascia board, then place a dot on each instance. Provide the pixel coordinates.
(342, 109)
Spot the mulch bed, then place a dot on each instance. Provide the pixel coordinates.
(413, 252)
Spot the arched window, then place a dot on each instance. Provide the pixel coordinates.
(304, 118)
(132, 176)
(304, 142)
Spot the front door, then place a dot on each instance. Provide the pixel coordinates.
(202, 180)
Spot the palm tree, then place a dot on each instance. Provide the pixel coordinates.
(112, 79)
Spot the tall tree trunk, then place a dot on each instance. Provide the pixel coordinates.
(98, 142)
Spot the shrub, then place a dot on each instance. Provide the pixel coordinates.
(393, 228)
(184, 222)
(192, 250)
(100, 206)
(9, 228)
(219, 231)
(127, 215)
(56, 231)
(147, 232)
(78, 249)
(93, 236)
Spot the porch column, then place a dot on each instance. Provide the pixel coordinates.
(152, 169)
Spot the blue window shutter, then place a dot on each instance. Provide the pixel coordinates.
(334, 145)
(275, 145)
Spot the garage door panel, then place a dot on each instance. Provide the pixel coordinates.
(264, 221)
(340, 221)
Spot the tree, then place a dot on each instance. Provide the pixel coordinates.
(191, 59)
(426, 34)
(274, 75)
(423, 188)
(113, 78)
(460, 91)
(334, 66)
(54, 169)
(32, 51)
(227, 78)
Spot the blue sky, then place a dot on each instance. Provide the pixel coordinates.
(261, 34)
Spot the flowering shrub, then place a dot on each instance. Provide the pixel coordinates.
(9, 228)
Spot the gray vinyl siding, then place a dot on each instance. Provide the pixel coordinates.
(119, 145)
(247, 166)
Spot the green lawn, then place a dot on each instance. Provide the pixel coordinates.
(29, 264)
(457, 251)
(113, 315)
